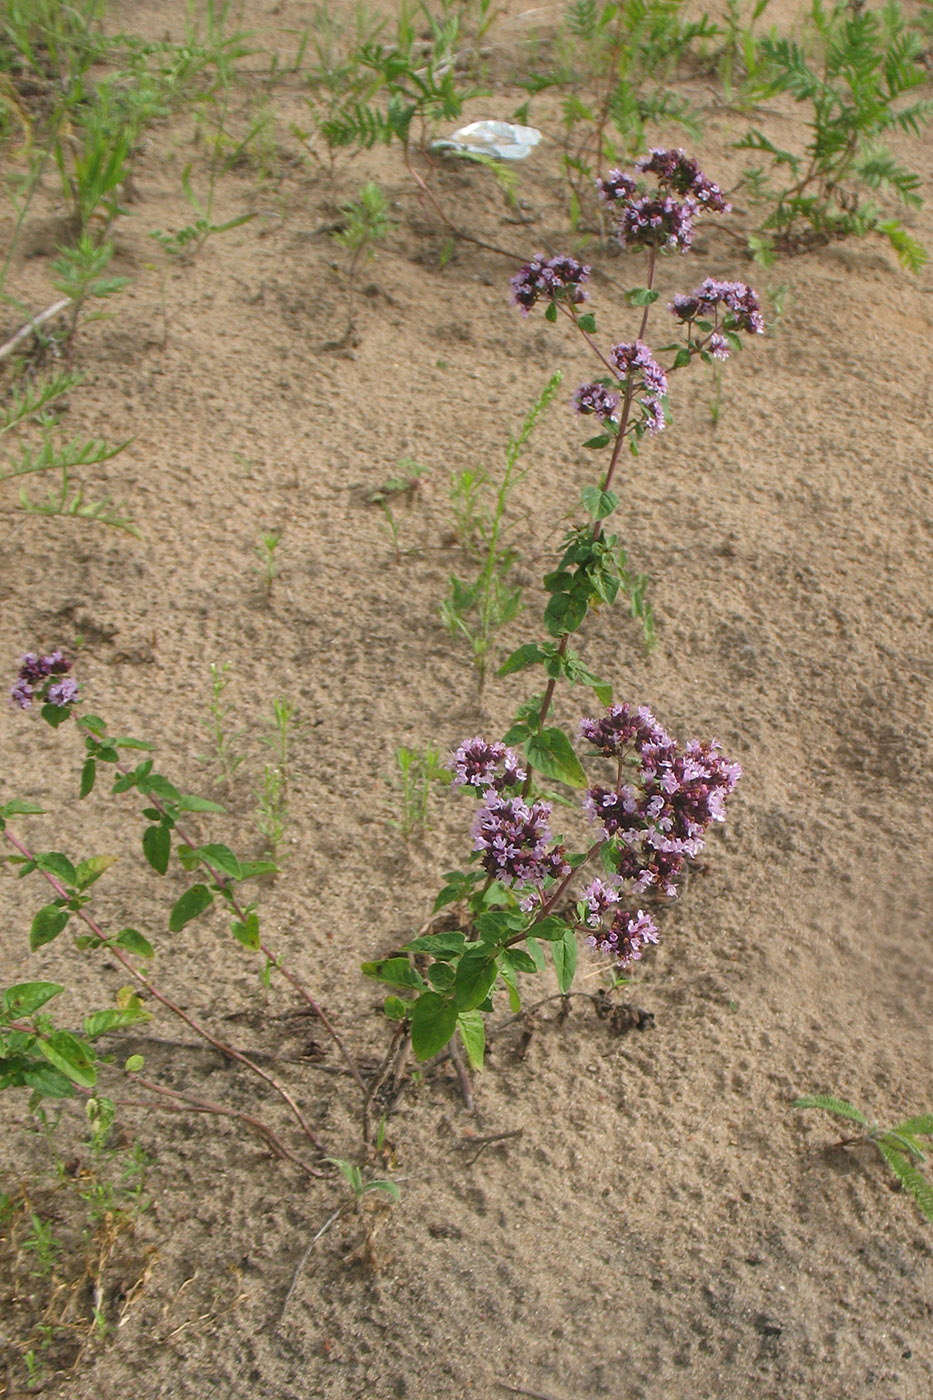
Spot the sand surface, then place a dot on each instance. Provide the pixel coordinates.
(656, 1220)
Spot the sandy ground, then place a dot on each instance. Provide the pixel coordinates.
(659, 1221)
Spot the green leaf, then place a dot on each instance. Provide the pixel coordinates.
(518, 960)
(67, 1054)
(472, 1030)
(395, 1008)
(441, 976)
(552, 754)
(397, 972)
(641, 296)
(495, 925)
(508, 977)
(550, 929)
(565, 612)
(157, 846)
(841, 1107)
(192, 903)
(565, 959)
(682, 358)
(90, 870)
(88, 776)
(433, 1022)
(47, 925)
(58, 865)
(99, 1022)
(595, 443)
(47, 1082)
(598, 504)
(536, 951)
(134, 1064)
(188, 803)
(253, 869)
(476, 974)
(449, 942)
(23, 998)
(587, 322)
(131, 941)
(19, 808)
(527, 655)
(160, 787)
(221, 858)
(550, 315)
(246, 931)
(55, 714)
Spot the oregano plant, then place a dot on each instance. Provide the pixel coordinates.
(651, 798)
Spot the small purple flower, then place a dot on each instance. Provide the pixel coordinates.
(596, 398)
(552, 278)
(482, 766)
(21, 694)
(718, 346)
(33, 681)
(62, 693)
(514, 840)
(616, 187)
(597, 898)
(654, 420)
(741, 303)
(636, 359)
(681, 173)
(656, 221)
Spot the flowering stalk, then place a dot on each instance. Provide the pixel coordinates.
(654, 815)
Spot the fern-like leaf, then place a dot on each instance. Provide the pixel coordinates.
(35, 398)
(909, 252)
(922, 1125)
(841, 1107)
(912, 1180)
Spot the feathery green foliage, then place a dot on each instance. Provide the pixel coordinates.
(900, 1146)
(861, 65)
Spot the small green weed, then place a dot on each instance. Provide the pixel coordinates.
(416, 771)
(478, 611)
(851, 74)
(901, 1146)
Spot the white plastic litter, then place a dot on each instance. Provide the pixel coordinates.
(501, 140)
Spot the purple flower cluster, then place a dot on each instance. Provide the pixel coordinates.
(626, 936)
(615, 187)
(653, 421)
(661, 815)
(560, 276)
(741, 304)
(483, 766)
(35, 681)
(637, 359)
(595, 900)
(596, 398)
(665, 217)
(656, 221)
(681, 173)
(514, 840)
(621, 728)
